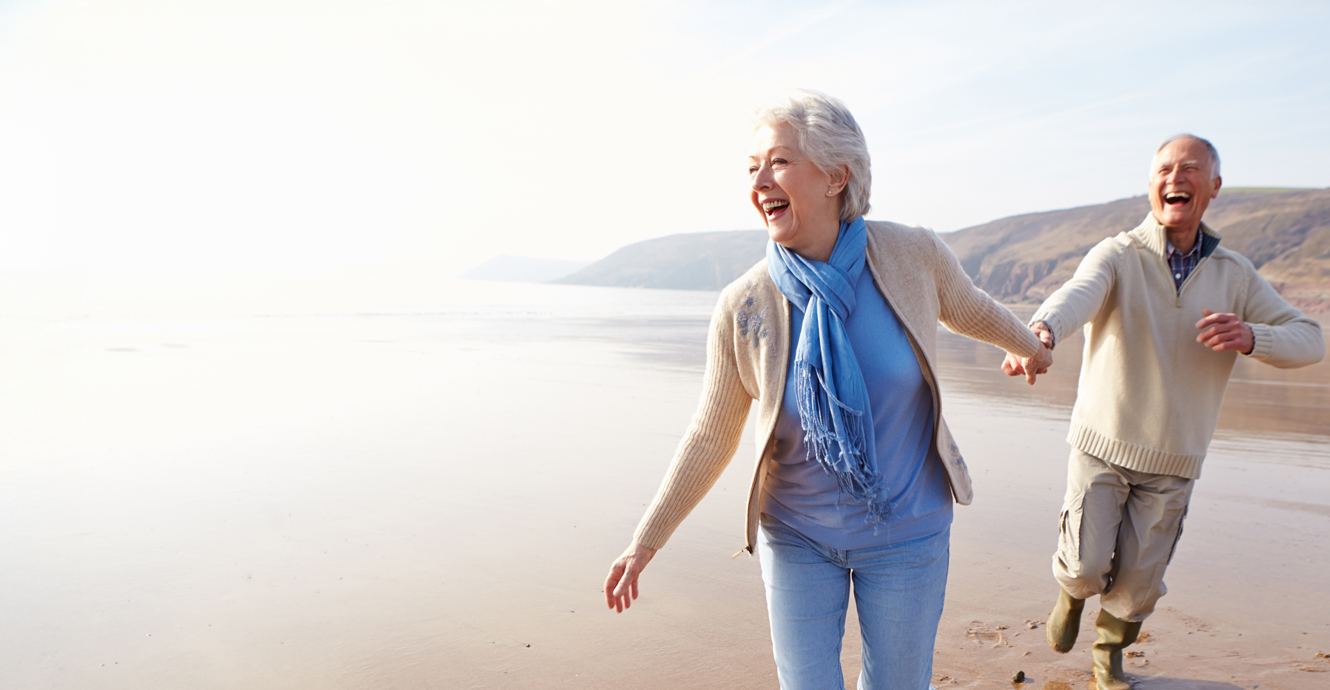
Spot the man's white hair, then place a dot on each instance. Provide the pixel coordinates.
(829, 136)
(1214, 152)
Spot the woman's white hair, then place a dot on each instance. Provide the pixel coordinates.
(830, 138)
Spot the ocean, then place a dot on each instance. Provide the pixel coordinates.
(427, 492)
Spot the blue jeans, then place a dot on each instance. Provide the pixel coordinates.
(898, 593)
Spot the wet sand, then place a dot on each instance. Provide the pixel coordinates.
(431, 501)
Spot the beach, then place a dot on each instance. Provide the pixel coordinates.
(428, 495)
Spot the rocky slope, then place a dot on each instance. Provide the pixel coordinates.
(1286, 234)
(1022, 259)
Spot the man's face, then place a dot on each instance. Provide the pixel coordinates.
(1181, 184)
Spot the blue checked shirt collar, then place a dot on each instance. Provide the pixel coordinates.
(1180, 264)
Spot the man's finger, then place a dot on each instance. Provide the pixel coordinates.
(1211, 332)
(1219, 331)
(1220, 341)
(1212, 319)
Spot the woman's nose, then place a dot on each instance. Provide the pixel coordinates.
(762, 179)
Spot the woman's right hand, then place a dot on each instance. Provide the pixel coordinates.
(621, 585)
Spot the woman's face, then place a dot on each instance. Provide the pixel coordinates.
(799, 203)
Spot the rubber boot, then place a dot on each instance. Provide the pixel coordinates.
(1064, 622)
(1114, 636)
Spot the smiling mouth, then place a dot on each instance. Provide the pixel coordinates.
(1176, 198)
(772, 206)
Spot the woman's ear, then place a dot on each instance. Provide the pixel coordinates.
(839, 178)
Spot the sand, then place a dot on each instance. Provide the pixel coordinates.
(432, 500)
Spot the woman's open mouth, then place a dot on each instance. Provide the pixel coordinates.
(773, 207)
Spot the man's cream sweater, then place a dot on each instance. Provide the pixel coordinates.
(1149, 394)
(748, 357)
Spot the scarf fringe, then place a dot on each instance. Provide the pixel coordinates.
(837, 441)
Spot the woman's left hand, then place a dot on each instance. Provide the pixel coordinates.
(1030, 367)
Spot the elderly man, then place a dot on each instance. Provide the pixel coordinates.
(1166, 311)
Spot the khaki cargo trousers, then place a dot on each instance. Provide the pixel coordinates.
(1118, 530)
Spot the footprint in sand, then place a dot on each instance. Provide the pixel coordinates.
(980, 633)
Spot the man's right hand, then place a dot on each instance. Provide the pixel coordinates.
(1040, 329)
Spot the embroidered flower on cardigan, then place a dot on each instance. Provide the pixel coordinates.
(752, 323)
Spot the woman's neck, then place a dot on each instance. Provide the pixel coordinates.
(822, 242)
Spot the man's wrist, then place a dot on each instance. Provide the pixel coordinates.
(1038, 326)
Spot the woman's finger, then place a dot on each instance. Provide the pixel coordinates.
(626, 591)
(626, 582)
(611, 582)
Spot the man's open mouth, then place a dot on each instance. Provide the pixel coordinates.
(1176, 198)
(771, 206)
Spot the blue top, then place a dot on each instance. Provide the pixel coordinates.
(801, 494)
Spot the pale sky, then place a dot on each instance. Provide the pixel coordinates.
(186, 136)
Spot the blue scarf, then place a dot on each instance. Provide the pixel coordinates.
(829, 386)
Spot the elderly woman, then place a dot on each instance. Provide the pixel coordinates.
(834, 335)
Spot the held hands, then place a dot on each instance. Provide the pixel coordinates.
(621, 585)
(1224, 332)
(1031, 367)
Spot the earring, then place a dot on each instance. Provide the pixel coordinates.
(831, 192)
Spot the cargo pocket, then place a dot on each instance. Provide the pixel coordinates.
(1178, 536)
(1069, 531)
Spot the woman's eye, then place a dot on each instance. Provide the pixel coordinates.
(779, 161)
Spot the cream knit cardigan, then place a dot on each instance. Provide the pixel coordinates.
(1149, 394)
(748, 357)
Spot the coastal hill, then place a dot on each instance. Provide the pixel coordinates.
(690, 261)
(1285, 233)
(1022, 259)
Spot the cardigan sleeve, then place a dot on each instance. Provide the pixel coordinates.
(1079, 300)
(711, 440)
(1281, 336)
(966, 310)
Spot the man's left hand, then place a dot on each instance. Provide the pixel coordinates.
(1221, 332)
